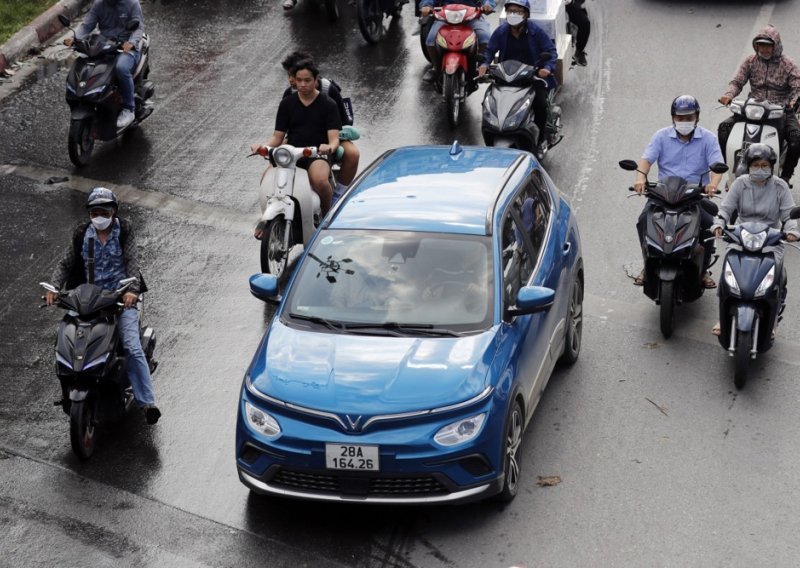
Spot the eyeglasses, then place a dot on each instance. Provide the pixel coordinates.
(520, 12)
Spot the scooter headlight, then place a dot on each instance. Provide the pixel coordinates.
(490, 111)
(95, 91)
(460, 431)
(518, 113)
(754, 112)
(777, 113)
(753, 242)
(261, 421)
(282, 157)
(766, 283)
(454, 16)
(102, 359)
(730, 279)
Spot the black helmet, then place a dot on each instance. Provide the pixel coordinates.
(685, 104)
(760, 152)
(102, 197)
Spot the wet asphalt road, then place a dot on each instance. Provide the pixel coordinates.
(707, 478)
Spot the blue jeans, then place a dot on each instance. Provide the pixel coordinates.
(480, 27)
(138, 369)
(124, 66)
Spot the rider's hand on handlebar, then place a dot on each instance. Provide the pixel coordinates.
(711, 189)
(127, 46)
(129, 299)
(482, 70)
(718, 232)
(487, 9)
(69, 41)
(638, 186)
(325, 149)
(544, 73)
(425, 11)
(791, 237)
(50, 297)
(725, 100)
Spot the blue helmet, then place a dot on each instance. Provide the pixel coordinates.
(685, 104)
(524, 3)
(102, 197)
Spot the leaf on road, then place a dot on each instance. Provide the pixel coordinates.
(57, 179)
(547, 480)
(661, 408)
(652, 345)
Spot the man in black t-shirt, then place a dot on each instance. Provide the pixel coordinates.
(309, 119)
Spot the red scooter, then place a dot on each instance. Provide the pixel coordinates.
(458, 49)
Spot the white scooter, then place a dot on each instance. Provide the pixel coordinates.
(762, 124)
(290, 209)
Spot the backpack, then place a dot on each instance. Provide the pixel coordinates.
(346, 108)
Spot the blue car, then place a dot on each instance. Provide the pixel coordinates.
(410, 348)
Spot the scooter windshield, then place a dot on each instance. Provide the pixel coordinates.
(674, 190)
(88, 299)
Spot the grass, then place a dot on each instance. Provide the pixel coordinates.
(16, 14)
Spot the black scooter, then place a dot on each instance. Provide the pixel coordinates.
(508, 118)
(90, 363)
(752, 293)
(673, 249)
(93, 94)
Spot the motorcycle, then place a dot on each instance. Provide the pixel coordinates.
(93, 94)
(508, 119)
(90, 363)
(370, 14)
(290, 208)
(761, 123)
(752, 293)
(673, 250)
(458, 47)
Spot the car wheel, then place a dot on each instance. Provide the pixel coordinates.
(574, 334)
(515, 427)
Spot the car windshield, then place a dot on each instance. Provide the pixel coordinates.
(395, 280)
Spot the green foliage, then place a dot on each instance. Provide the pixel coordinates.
(16, 14)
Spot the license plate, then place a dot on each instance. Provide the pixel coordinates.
(351, 457)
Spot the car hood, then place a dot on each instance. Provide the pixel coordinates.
(370, 375)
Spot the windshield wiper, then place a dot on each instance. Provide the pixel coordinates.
(330, 324)
(422, 328)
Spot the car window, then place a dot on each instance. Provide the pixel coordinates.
(516, 258)
(532, 203)
(402, 277)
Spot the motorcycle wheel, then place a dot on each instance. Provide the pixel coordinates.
(741, 359)
(80, 142)
(667, 301)
(453, 87)
(370, 19)
(273, 255)
(332, 6)
(81, 428)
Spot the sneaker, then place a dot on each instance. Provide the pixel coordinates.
(580, 58)
(289, 4)
(430, 75)
(125, 118)
(151, 414)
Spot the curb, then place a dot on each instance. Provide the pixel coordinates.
(40, 30)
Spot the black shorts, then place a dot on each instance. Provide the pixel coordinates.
(305, 162)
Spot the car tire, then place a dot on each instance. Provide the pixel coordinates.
(513, 434)
(574, 334)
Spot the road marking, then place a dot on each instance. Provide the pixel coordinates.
(192, 211)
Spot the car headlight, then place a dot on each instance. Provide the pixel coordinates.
(454, 16)
(766, 283)
(261, 421)
(517, 114)
(730, 278)
(282, 157)
(753, 241)
(461, 431)
(754, 112)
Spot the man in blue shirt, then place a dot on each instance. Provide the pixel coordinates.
(112, 16)
(116, 258)
(686, 150)
(520, 39)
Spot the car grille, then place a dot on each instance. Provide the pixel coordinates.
(361, 485)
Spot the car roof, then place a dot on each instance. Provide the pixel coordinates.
(446, 189)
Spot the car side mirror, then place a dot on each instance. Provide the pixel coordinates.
(132, 25)
(532, 299)
(718, 168)
(629, 165)
(265, 288)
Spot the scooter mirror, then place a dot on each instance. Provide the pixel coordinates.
(132, 25)
(718, 168)
(794, 213)
(629, 165)
(64, 20)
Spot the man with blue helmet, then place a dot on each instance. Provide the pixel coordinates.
(687, 150)
(115, 258)
(520, 39)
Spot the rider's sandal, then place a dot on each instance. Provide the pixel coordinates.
(708, 282)
(289, 4)
(639, 280)
(716, 330)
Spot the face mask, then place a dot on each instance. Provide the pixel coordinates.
(102, 223)
(684, 128)
(515, 19)
(760, 174)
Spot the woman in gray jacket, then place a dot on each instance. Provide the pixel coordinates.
(759, 196)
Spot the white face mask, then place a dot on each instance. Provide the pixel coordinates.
(685, 128)
(102, 223)
(515, 19)
(760, 174)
